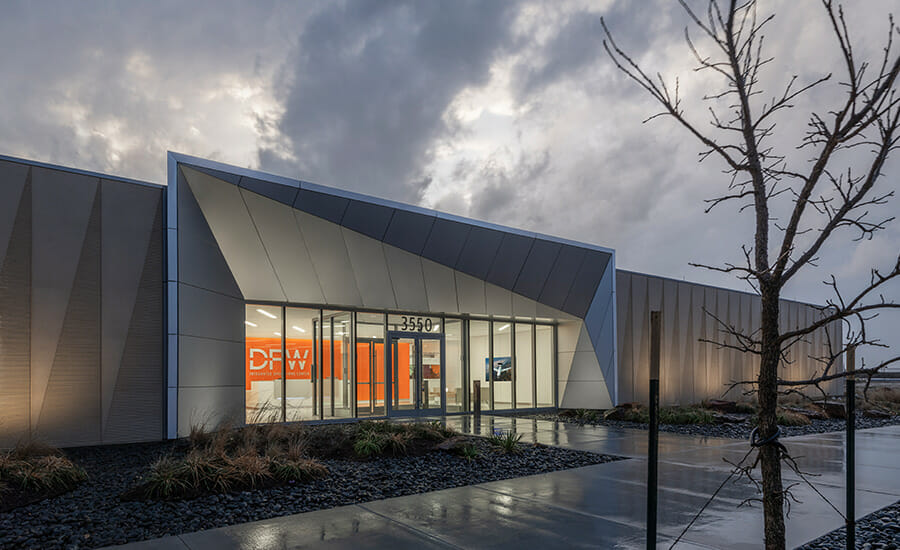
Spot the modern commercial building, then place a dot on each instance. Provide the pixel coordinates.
(130, 311)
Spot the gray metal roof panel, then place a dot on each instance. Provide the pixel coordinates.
(509, 259)
(367, 218)
(445, 241)
(537, 268)
(179, 157)
(78, 171)
(230, 177)
(198, 162)
(585, 284)
(323, 205)
(562, 275)
(479, 251)
(275, 191)
(408, 230)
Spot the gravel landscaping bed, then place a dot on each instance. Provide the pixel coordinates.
(878, 531)
(730, 430)
(93, 516)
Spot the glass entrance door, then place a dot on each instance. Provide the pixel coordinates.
(416, 375)
(370, 377)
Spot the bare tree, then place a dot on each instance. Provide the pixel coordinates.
(821, 199)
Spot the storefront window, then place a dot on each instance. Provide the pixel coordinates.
(524, 366)
(502, 365)
(456, 386)
(370, 373)
(300, 364)
(545, 352)
(263, 364)
(480, 359)
(336, 361)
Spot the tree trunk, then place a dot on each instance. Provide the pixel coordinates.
(770, 460)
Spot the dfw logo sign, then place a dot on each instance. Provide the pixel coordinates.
(263, 359)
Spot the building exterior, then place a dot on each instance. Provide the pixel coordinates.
(131, 311)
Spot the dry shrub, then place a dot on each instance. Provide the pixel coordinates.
(37, 468)
(250, 469)
(199, 436)
(791, 418)
(33, 448)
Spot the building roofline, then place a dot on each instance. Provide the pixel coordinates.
(707, 285)
(222, 167)
(78, 171)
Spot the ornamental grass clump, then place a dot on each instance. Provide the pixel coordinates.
(33, 471)
(377, 438)
(229, 459)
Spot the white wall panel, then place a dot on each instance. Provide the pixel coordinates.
(440, 286)
(370, 269)
(584, 395)
(524, 307)
(498, 300)
(470, 292)
(407, 279)
(286, 248)
(330, 258)
(209, 406)
(237, 236)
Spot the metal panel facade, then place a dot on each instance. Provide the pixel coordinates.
(692, 370)
(81, 280)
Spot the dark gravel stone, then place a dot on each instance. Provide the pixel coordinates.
(93, 516)
(878, 531)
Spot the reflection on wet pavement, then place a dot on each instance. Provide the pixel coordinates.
(595, 506)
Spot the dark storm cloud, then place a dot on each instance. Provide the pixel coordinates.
(112, 86)
(369, 83)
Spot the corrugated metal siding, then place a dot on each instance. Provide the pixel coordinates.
(691, 370)
(52, 286)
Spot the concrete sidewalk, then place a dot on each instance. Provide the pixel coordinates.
(601, 506)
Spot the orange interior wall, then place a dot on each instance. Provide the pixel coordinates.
(362, 371)
(262, 361)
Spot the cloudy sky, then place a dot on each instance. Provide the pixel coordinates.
(503, 111)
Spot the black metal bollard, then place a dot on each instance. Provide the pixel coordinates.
(476, 398)
(653, 442)
(851, 462)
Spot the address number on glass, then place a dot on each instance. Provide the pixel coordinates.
(415, 324)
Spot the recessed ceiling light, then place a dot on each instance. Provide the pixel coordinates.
(267, 314)
(277, 333)
(504, 327)
(298, 329)
(248, 323)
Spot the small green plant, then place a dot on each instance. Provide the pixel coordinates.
(368, 444)
(685, 415)
(508, 442)
(586, 415)
(469, 451)
(300, 469)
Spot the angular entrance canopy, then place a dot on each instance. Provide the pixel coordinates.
(237, 235)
